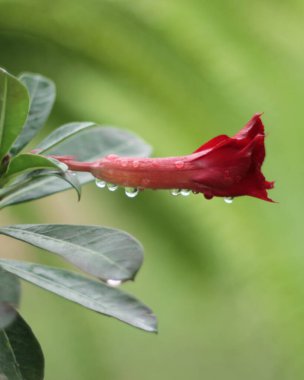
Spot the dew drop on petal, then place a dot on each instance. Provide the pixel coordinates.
(112, 156)
(228, 200)
(112, 187)
(176, 192)
(131, 192)
(208, 195)
(135, 164)
(113, 283)
(100, 183)
(179, 164)
(185, 192)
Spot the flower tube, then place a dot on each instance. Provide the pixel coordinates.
(224, 167)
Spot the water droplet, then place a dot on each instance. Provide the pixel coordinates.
(135, 164)
(113, 283)
(124, 163)
(131, 192)
(112, 187)
(112, 156)
(208, 195)
(176, 192)
(228, 200)
(100, 183)
(185, 192)
(179, 164)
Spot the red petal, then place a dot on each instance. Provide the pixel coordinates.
(212, 143)
(252, 128)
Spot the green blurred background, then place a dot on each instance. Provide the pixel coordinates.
(226, 281)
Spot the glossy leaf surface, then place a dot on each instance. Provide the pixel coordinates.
(102, 252)
(92, 294)
(28, 162)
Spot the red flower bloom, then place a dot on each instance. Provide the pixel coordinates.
(224, 167)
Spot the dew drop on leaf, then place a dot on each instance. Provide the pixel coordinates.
(113, 283)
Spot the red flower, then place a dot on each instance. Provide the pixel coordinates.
(224, 167)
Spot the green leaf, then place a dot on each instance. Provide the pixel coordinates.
(63, 133)
(28, 162)
(89, 141)
(71, 178)
(86, 141)
(42, 93)
(9, 297)
(14, 105)
(102, 252)
(21, 357)
(92, 294)
(39, 184)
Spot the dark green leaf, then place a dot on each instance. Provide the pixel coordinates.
(92, 294)
(42, 93)
(28, 162)
(41, 184)
(86, 141)
(103, 252)
(14, 105)
(21, 357)
(9, 297)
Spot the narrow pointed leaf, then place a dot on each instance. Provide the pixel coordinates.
(103, 252)
(86, 141)
(9, 297)
(42, 93)
(21, 357)
(92, 294)
(14, 105)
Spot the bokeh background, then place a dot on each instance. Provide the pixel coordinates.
(226, 281)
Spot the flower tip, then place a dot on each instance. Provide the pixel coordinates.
(258, 115)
